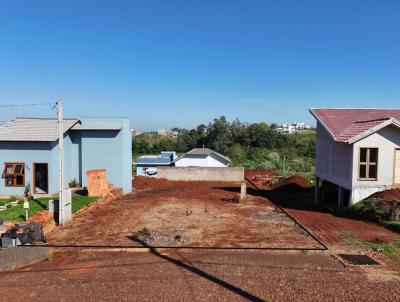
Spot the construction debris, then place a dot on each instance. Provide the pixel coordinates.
(23, 234)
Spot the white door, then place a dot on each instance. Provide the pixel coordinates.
(397, 167)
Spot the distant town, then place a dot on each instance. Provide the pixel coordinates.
(283, 128)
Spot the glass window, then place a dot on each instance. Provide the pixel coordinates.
(14, 174)
(368, 164)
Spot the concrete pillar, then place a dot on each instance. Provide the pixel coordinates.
(340, 196)
(317, 196)
(243, 191)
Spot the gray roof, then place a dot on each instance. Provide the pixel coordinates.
(206, 152)
(96, 127)
(155, 160)
(33, 129)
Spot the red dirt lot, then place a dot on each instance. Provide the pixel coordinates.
(93, 275)
(166, 213)
(331, 229)
(325, 225)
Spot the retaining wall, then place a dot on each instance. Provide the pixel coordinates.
(230, 174)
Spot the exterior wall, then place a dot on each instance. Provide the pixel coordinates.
(201, 174)
(386, 140)
(200, 161)
(28, 153)
(83, 151)
(110, 150)
(334, 161)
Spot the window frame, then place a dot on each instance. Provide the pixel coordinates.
(14, 175)
(368, 164)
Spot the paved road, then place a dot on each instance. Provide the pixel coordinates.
(198, 276)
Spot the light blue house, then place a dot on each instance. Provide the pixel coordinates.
(147, 165)
(29, 153)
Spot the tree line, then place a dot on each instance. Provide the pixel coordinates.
(255, 145)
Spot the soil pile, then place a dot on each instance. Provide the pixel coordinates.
(294, 183)
(261, 177)
(256, 174)
(388, 195)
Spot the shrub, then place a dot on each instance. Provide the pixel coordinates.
(12, 198)
(393, 225)
(73, 183)
(28, 192)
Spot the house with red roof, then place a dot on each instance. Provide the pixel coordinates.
(358, 150)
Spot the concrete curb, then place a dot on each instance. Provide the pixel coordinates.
(15, 257)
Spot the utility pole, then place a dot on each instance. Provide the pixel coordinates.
(61, 160)
(284, 163)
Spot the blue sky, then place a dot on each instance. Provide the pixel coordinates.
(181, 63)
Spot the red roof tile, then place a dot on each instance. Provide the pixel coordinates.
(344, 124)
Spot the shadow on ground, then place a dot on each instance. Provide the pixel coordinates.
(191, 268)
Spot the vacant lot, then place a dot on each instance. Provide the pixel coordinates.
(164, 213)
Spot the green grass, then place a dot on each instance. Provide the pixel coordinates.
(390, 249)
(3, 202)
(79, 202)
(18, 213)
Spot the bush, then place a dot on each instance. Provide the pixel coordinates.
(12, 198)
(393, 225)
(369, 210)
(73, 183)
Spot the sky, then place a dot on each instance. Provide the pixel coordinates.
(173, 63)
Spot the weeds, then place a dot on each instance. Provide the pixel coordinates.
(390, 249)
(50, 256)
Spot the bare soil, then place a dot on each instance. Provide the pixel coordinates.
(198, 276)
(169, 214)
(260, 177)
(389, 195)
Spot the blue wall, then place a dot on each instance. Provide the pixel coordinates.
(84, 150)
(28, 153)
(110, 150)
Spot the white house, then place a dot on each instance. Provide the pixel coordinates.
(202, 157)
(358, 150)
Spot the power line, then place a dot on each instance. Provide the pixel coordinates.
(27, 105)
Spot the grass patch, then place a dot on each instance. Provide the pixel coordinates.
(79, 202)
(18, 212)
(3, 202)
(390, 249)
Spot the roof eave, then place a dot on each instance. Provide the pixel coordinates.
(311, 110)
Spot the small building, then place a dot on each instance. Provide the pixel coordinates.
(29, 153)
(162, 132)
(147, 165)
(286, 129)
(358, 150)
(202, 157)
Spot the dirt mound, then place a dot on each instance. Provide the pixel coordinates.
(260, 177)
(292, 183)
(389, 195)
(255, 174)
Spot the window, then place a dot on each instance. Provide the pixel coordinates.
(368, 164)
(14, 174)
